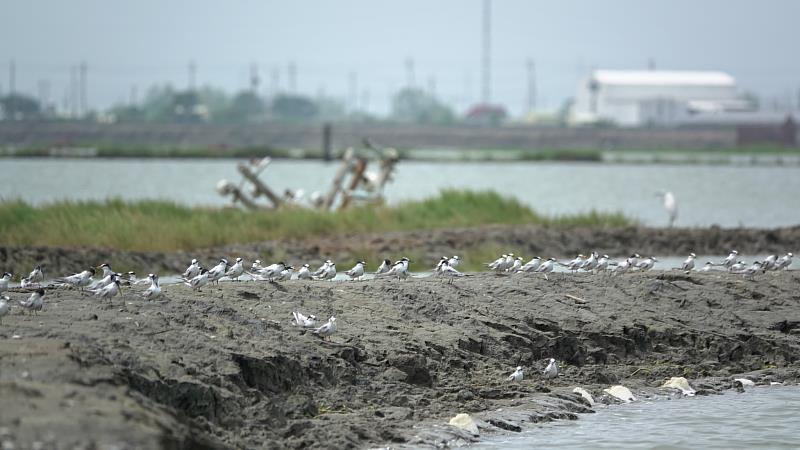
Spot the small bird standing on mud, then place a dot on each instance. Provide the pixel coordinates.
(304, 273)
(3, 306)
(689, 263)
(327, 330)
(547, 267)
(108, 291)
(517, 376)
(304, 321)
(448, 271)
(730, 260)
(322, 268)
(602, 263)
(199, 281)
(646, 264)
(357, 271)
(751, 271)
(531, 265)
(78, 280)
(399, 269)
(516, 265)
(329, 273)
(218, 271)
(35, 302)
(784, 262)
(499, 264)
(286, 274)
(385, 266)
(575, 264)
(270, 272)
(256, 266)
(236, 270)
(551, 371)
(154, 291)
(35, 277)
(590, 263)
(192, 271)
(4, 282)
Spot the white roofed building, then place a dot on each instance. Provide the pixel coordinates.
(653, 97)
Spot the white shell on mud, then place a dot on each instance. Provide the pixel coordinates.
(620, 392)
(584, 394)
(679, 383)
(465, 422)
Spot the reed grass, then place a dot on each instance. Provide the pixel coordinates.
(166, 226)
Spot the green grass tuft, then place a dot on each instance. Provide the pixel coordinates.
(166, 226)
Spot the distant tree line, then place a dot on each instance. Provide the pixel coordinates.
(166, 104)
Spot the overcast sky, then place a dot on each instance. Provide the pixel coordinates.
(152, 41)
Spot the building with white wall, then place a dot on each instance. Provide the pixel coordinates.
(653, 97)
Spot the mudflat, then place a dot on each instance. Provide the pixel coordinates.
(226, 367)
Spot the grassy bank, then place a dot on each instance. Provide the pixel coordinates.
(165, 226)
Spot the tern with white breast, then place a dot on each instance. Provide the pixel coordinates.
(329, 273)
(198, 281)
(4, 308)
(551, 371)
(327, 330)
(531, 265)
(385, 266)
(357, 271)
(35, 302)
(192, 271)
(217, 272)
(154, 291)
(547, 267)
(4, 282)
(516, 376)
(78, 280)
(304, 273)
(236, 270)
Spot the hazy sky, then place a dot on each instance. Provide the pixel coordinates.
(127, 43)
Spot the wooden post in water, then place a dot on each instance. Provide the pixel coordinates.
(326, 142)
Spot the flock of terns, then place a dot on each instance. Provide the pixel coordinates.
(196, 277)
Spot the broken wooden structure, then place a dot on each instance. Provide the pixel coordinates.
(351, 184)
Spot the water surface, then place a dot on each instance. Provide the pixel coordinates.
(762, 417)
(725, 195)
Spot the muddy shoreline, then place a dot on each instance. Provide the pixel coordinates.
(225, 367)
(426, 245)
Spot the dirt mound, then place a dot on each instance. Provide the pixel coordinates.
(226, 367)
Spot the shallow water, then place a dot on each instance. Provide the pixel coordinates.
(725, 195)
(762, 417)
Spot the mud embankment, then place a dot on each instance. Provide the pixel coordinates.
(427, 245)
(225, 367)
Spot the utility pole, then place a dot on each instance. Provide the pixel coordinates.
(432, 86)
(84, 106)
(73, 91)
(134, 95)
(192, 72)
(487, 70)
(352, 94)
(12, 77)
(255, 80)
(410, 72)
(292, 73)
(531, 85)
(276, 81)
